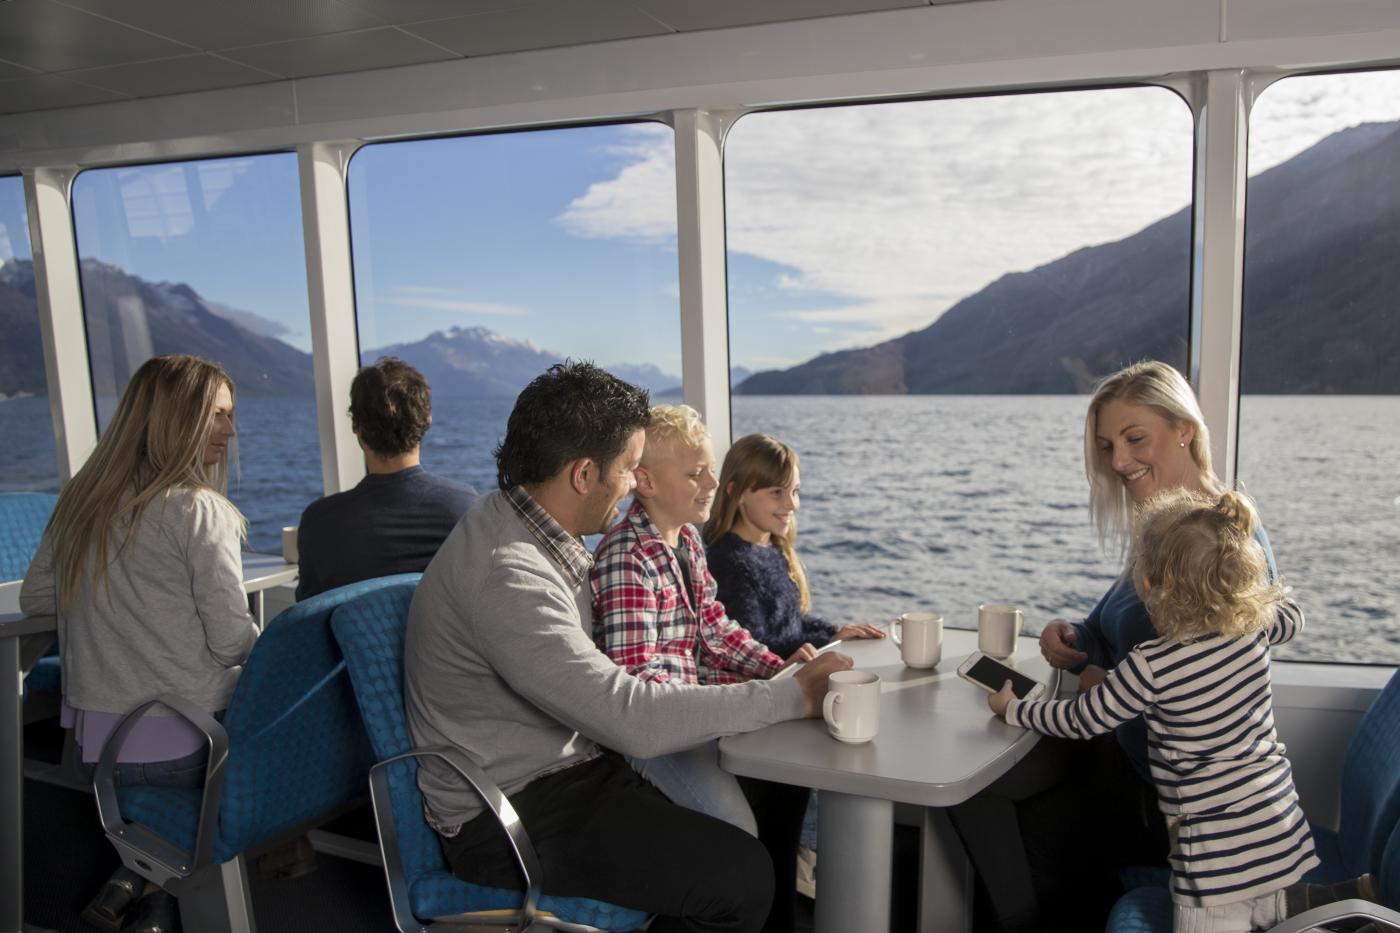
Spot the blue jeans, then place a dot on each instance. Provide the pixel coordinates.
(177, 772)
(693, 779)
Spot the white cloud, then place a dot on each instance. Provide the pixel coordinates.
(462, 307)
(888, 214)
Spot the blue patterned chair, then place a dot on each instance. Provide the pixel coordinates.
(1367, 830)
(290, 753)
(371, 634)
(23, 518)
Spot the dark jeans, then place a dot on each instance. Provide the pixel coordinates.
(778, 809)
(1048, 838)
(602, 832)
(177, 772)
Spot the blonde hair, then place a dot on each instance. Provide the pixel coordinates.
(1199, 567)
(154, 443)
(1159, 387)
(670, 425)
(757, 461)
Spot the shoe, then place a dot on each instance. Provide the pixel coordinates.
(807, 873)
(291, 859)
(107, 908)
(157, 912)
(1303, 896)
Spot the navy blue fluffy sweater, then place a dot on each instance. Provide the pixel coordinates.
(758, 594)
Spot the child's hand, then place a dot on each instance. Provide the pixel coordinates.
(858, 630)
(1000, 700)
(801, 655)
(1091, 677)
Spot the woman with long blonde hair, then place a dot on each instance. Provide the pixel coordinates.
(141, 564)
(1071, 815)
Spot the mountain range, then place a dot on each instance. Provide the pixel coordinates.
(1320, 312)
(1321, 291)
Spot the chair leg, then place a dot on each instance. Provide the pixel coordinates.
(217, 899)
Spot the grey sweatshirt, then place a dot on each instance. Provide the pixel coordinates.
(500, 662)
(172, 618)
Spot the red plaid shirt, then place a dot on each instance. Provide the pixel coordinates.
(647, 623)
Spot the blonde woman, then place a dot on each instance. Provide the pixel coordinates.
(749, 540)
(1072, 814)
(141, 564)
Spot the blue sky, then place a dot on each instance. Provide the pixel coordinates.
(845, 225)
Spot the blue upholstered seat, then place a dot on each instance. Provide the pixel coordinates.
(23, 517)
(1369, 828)
(297, 749)
(371, 633)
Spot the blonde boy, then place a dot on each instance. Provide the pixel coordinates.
(654, 606)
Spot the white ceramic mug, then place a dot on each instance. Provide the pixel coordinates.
(852, 706)
(998, 627)
(919, 636)
(289, 544)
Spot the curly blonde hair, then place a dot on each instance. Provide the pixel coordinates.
(1199, 568)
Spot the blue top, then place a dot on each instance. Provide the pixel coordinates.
(1117, 625)
(389, 523)
(757, 592)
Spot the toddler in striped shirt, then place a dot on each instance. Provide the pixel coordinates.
(1240, 843)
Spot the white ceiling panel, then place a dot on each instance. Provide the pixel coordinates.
(386, 47)
(687, 15)
(218, 24)
(539, 25)
(46, 92)
(398, 12)
(48, 36)
(172, 76)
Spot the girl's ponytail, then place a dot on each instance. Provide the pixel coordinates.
(1238, 512)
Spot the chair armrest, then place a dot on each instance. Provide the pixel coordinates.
(1338, 910)
(109, 811)
(490, 794)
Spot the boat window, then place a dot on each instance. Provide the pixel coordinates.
(206, 258)
(1319, 433)
(483, 260)
(920, 296)
(27, 461)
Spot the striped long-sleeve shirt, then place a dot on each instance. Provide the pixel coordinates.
(1216, 760)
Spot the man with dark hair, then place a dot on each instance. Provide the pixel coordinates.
(500, 662)
(395, 519)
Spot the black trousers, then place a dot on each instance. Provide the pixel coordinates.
(602, 832)
(1048, 838)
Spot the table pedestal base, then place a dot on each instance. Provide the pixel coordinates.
(853, 876)
(945, 877)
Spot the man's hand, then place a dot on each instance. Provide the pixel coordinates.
(1091, 677)
(1000, 700)
(805, 653)
(813, 676)
(859, 630)
(1057, 645)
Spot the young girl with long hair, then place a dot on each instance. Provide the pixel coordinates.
(750, 547)
(141, 564)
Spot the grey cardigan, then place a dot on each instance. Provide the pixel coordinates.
(500, 662)
(172, 618)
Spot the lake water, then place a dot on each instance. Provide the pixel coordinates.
(940, 502)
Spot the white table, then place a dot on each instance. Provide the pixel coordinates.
(22, 640)
(938, 745)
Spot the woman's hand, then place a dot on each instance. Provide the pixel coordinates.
(1000, 700)
(859, 630)
(1057, 645)
(1091, 677)
(803, 654)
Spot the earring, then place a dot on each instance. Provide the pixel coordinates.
(1181, 443)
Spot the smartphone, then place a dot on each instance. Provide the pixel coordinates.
(989, 674)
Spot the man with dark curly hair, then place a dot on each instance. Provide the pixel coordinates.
(396, 518)
(499, 662)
